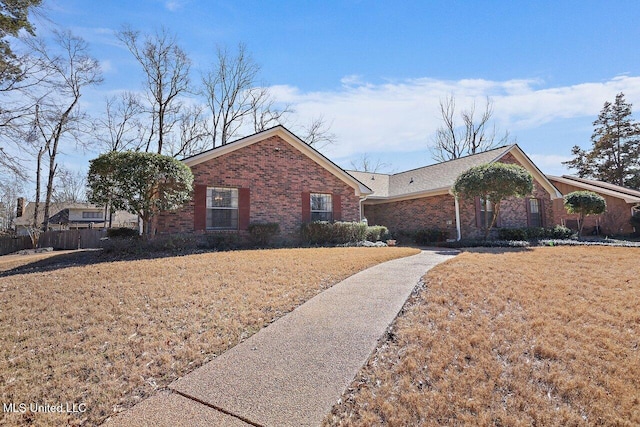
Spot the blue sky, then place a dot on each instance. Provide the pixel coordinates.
(376, 70)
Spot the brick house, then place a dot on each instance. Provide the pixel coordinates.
(622, 203)
(421, 198)
(272, 176)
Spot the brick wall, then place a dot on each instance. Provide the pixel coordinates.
(276, 174)
(410, 215)
(614, 221)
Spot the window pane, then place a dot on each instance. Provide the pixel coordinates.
(222, 208)
(534, 213)
(222, 218)
(322, 216)
(482, 205)
(222, 197)
(321, 202)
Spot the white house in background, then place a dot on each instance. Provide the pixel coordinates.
(71, 216)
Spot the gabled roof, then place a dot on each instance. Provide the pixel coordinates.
(291, 139)
(440, 177)
(626, 194)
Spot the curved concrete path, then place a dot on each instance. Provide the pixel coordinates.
(292, 372)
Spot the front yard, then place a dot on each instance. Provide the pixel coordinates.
(77, 329)
(504, 337)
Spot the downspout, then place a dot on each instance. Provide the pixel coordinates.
(362, 199)
(457, 206)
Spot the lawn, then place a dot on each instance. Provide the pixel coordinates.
(81, 329)
(544, 337)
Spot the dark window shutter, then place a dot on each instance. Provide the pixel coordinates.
(200, 208)
(499, 219)
(527, 203)
(306, 206)
(543, 216)
(244, 208)
(479, 223)
(337, 207)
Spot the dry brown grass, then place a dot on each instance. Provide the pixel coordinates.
(109, 334)
(543, 337)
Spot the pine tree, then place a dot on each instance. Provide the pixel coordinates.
(615, 153)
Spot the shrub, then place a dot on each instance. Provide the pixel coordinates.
(122, 232)
(221, 241)
(317, 232)
(533, 233)
(429, 235)
(261, 234)
(376, 232)
(324, 233)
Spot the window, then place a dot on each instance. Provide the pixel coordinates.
(488, 213)
(91, 215)
(222, 208)
(535, 219)
(321, 207)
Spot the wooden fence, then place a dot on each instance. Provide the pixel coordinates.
(61, 240)
(14, 244)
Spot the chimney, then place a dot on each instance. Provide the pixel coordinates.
(20, 207)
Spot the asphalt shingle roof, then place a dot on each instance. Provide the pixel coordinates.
(427, 178)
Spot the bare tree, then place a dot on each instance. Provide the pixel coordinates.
(366, 164)
(57, 115)
(475, 135)
(230, 92)
(265, 112)
(11, 187)
(121, 128)
(318, 133)
(166, 68)
(69, 186)
(191, 135)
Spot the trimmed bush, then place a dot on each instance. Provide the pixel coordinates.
(317, 232)
(533, 233)
(376, 232)
(338, 233)
(261, 234)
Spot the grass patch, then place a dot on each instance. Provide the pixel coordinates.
(81, 329)
(517, 337)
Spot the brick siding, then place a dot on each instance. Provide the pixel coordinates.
(614, 221)
(276, 174)
(437, 211)
(415, 214)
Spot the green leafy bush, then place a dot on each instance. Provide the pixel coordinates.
(533, 233)
(261, 234)
(376, 232)
(324, 233)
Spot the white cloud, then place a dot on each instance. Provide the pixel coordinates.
(173, 5)
(402, 116)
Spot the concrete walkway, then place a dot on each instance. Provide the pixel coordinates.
(292, 372)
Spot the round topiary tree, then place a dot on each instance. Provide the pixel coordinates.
(141, 183)
(584, 203)
(493, 183)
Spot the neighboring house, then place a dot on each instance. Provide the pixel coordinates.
(67, 216)
(622, 203)
(422, 198)
(272, 176)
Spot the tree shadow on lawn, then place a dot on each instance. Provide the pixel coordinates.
(88, 257)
